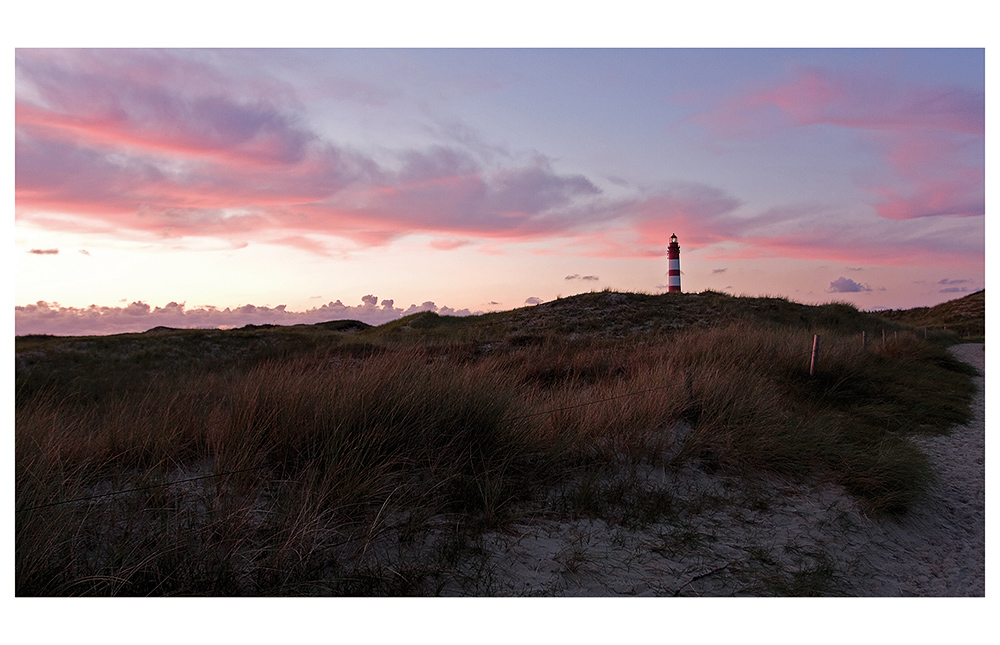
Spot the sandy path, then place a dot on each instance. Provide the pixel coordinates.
(775, 538)
(939, 549)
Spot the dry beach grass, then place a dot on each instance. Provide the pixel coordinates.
(764, 535)
(605, 444)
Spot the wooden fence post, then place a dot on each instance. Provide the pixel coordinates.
(812, 361)
(864, 339)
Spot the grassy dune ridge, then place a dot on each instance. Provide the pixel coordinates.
(301, 446)
(965, 316)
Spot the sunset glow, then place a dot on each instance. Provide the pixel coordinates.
(202, 188)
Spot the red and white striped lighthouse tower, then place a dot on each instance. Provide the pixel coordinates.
(674, 272)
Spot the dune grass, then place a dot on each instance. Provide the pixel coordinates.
(293, 466)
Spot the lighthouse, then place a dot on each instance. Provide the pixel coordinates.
(674, 272)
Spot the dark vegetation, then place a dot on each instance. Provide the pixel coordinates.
(294, 450)
(965, 317)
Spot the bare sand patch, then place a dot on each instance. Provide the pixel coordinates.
(768, 537)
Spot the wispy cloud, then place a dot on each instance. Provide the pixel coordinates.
(931, 137)
(704, 216)
(153, 104)
(302, 242)
(814, 96)
(44, 251)
(151, 152)
(577, 276)
(448, 245)
(949, 285)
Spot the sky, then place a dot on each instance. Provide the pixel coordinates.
(221, 187)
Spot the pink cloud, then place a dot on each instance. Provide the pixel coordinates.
(155, 101)
(857, 101)
(697, 213)
(251, 134)
(710, 220)
(130, 155)
(876, 245)
(511, 203)
(930, 137)
(876, 104)
(937, 174)
(448, 245)
(934, 198)
(303, 243)
(60, 175)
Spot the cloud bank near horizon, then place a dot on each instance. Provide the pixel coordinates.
(51, 318)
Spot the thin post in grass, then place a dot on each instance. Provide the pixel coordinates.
(883, 337)
(864, 339)
(812, 361)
